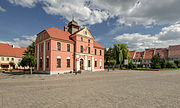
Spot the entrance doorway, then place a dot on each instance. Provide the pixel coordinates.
(81, 64)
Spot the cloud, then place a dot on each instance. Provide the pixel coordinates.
(2, 9)
(128, 12)
(97, 39)
(17, 42)
(168, 36)
(25, 3)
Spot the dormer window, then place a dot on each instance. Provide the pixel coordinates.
(81, 38)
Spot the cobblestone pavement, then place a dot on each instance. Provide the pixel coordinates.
(115, 89)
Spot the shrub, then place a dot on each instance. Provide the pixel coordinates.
(163, 63)
(156, 61)
(131, 65)
(177, 62)
(171, 65)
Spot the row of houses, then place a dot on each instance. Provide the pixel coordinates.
(8, 53)
(171, 54)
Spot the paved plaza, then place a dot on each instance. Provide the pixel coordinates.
(115, 89)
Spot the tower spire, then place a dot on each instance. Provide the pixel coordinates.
(73, 26)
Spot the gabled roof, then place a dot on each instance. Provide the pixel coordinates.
(163, 52)
(77, 31)
(148, 53)
(58, 33)
(97, 45)
(64, 35)
(131, 54)
(139, 55)
(174, 51)
(8, 51)
(73, 23)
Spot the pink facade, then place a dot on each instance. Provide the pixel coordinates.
(59, 51)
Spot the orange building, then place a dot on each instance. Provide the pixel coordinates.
(10, 54)
(72, 49)
(145, 57)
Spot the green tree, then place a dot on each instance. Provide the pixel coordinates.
(121, 52)
(29, 61)
(156, 61)
(113, 63)
(23, 62)
(131, 65)
(163, 63)
(109, 56)
(30, 50)
(11, 65)
(177, 62)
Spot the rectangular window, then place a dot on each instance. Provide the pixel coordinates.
(7, 59)
(2, 58)
(41, 47)
(89, 40)
(89, 63)
(81, 38)
(12, 59)
(40, 64)
(89, 50)
(95, 51)
(48, 46)
(68, 47)
(100, 63)
(95, 63)
(68, 62)
(81, 49)
(58, 63)
(100, 52)
(47, 62)
(40, 37)
(58, 46)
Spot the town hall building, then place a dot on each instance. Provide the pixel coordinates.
(72, 49)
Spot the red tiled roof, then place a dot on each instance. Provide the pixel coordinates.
(163, 52)
(97, 45)
(9, 51)
(64, 35)
(139, 55)
(131, 54)
(149, 53)
(174, 51)
(59, 34)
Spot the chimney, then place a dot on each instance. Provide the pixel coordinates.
(65, 28)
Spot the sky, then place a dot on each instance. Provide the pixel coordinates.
(141, 24)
